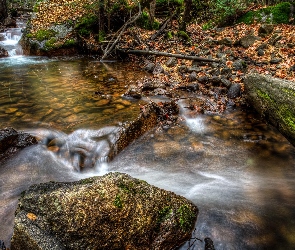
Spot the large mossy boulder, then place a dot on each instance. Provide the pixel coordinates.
(114, 211)
(274, 99)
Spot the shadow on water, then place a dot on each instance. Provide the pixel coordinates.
(236, 169)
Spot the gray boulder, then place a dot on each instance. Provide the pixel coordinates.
(274, 99)
(114, 211)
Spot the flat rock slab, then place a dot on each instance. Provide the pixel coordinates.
(114, 211)
(274, 99)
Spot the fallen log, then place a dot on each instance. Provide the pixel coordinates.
(158, 53)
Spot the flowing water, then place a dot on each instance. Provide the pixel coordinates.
(10, 37)
(236, 169)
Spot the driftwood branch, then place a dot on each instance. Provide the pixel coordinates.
(158, 53)
(110, 46)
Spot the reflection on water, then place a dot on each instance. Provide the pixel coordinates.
(65, 94)
(236, 169)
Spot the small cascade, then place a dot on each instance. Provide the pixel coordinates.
(9, 41)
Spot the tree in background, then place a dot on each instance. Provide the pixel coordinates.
(3, 10)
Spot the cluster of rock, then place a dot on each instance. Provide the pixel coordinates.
(210, 88)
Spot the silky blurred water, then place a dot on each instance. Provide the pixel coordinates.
(235, 168)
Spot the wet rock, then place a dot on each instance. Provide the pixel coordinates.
(2, 245)
(10, 22)
(183, 69)
(260, 52)
(226, 71)
(171, 62)
(203, 79)
(149, 67)
(194, 69)
(215, 80)
(3, 52)
(248, 40)
(226, 83)
(114, 211)
(12, 141)
(276, 60)
(190, 87)
(226, 41)
(239, 65)
(152, 85)
(234, 91)
(133, 92)
(273, 99)
(209, 244)
(192, 77)
(158, 69)
(265, 29)
(151, 115)
(274, 39)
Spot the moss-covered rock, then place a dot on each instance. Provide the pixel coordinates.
(114, 211)
(276, 14)
(274, 99)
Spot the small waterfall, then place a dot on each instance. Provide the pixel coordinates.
(9, 41)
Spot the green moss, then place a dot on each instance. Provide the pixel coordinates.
(186, 218)
(183, 35)
(170, 3)
(127, 187)
(263, 95)
(208, 25)
(284, 112)
(290, 92)
(100, 37)
(50, 43)
(29, 35)
(169, 35)
(69, 43)
(42, 35)
(144, 22)
(87, 25)
(163, 215)
(118, 202)
(87, 181)
(288, 117)
(274, 14)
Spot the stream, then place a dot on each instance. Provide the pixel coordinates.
(235, 168)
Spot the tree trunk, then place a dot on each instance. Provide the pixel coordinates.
(186, 14)
(3, 10)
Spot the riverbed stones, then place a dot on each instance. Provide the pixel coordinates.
(3, 52)
(274, 100)
(114, 211)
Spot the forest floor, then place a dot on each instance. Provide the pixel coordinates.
(240, 49)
